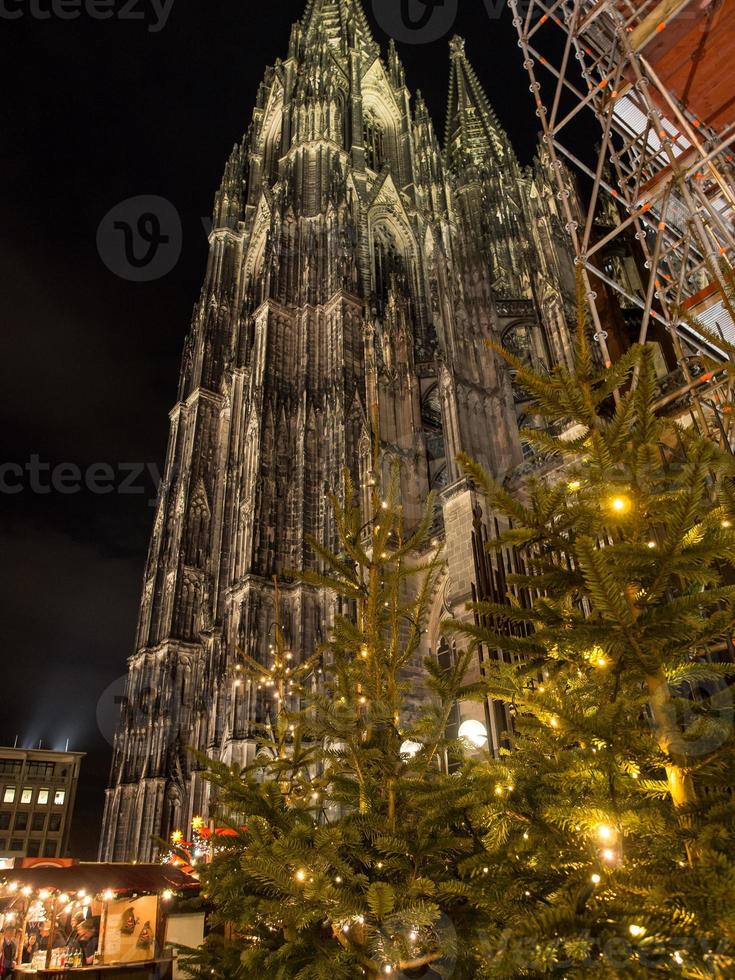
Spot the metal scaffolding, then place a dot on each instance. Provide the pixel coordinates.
(658, 77)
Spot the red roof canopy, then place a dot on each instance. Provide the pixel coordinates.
(94, 877)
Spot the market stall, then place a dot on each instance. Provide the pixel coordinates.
(99, 920)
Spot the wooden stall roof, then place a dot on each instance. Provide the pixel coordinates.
(690, 45)
(95, 877)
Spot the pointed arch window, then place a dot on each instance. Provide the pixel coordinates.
(374, 140)
(272, 156)
(390, 266)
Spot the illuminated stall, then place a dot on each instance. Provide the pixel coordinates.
(107, 920)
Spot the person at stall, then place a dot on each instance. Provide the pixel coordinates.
(30, 948)
(43, 938)
(8, 953)
(72, 940)
(88, 940)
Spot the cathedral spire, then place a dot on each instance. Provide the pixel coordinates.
(473, 132)
(337, 20)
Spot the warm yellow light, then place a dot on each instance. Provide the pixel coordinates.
(197, 823)
(301, 875)
(176, 837)
(574, 485)
(595, 879)
(651, 545)
(338, 879)
(636, 931)
(726, 524)
(620, 504)
(554, 722)
(44, 894)
(26, 891)
(63, 899)
(108, 895)
(364, 653)
(608, 855)
(605, 833)
(167, 895)
(13, 886)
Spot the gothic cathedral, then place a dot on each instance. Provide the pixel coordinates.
(355, 271)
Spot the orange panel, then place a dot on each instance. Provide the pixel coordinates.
(694, 56)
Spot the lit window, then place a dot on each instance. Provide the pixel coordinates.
(9, 795)
(59, 797)
(27, 795)
(42, 797)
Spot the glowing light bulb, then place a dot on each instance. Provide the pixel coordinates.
(595, 879)
(636, 931)
(474, 732)
(651, 545)
(605, 833)
(574, 485)
(620, 504)
(108, 895)
(167, 895)
(608, 855)
(409, 748)
(301, 875)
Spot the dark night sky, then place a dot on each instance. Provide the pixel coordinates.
(95, 112)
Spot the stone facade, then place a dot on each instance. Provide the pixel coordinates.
(356, 270)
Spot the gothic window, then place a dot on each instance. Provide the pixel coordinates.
(272, 150)
(272, 156)
(517, 339)
(374, 139)
(198, 529)
(390, 266)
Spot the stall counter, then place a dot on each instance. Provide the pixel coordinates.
(148, 970)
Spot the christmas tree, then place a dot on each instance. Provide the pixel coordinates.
(356, 853)
(611, 833)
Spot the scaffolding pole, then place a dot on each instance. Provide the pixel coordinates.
(663, 166)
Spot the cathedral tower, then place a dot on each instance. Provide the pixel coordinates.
(354, 265)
